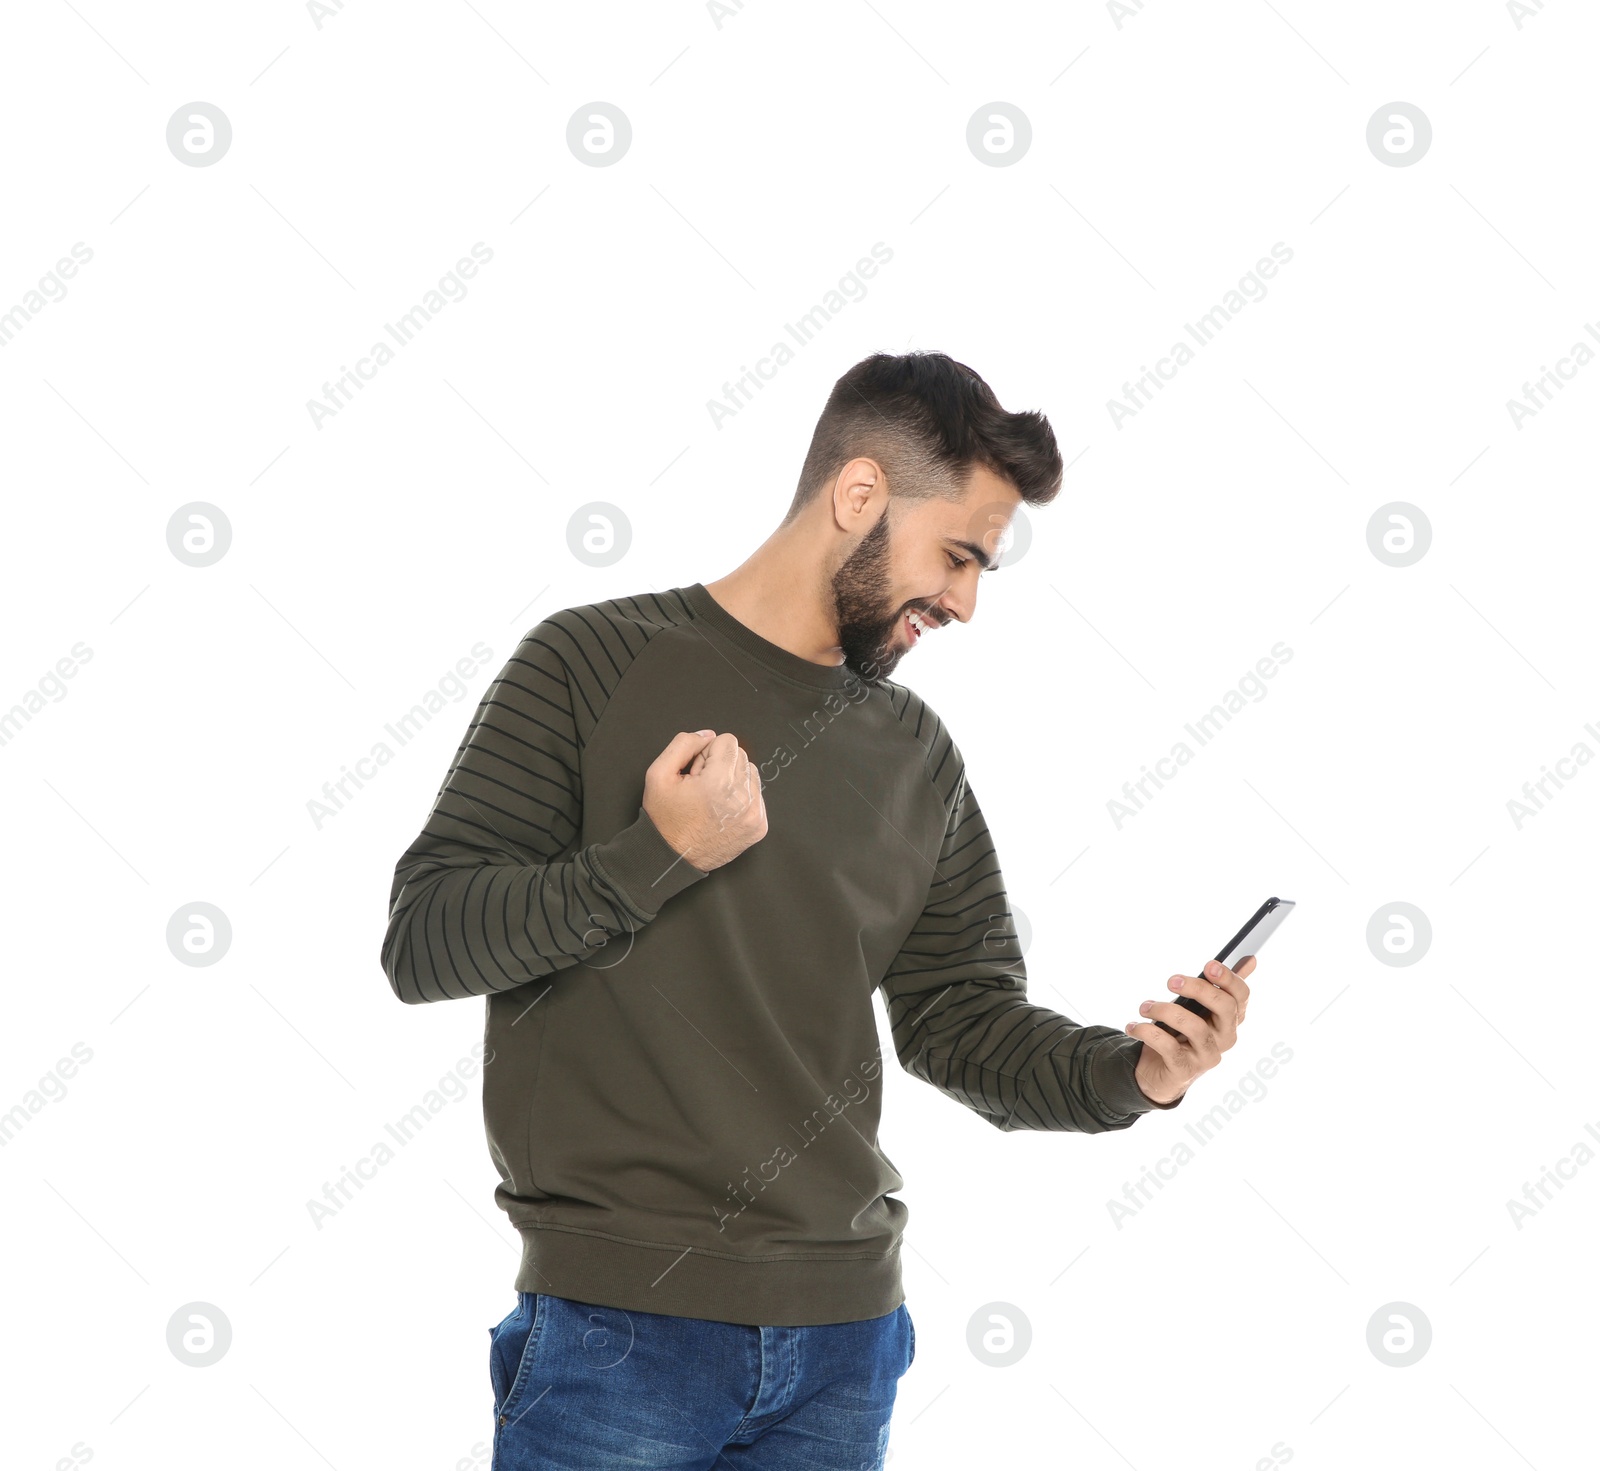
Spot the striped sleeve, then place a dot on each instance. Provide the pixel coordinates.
(958, 1007)
(495, 892)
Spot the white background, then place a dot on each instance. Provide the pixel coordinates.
(371, 553)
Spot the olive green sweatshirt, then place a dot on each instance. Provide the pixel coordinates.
(682, 1074)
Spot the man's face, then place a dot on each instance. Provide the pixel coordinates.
(896, 586)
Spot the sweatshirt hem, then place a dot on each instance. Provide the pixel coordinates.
(681, 1282)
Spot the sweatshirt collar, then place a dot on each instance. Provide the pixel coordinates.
(769, 655)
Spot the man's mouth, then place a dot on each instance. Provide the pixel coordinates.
(917, 624)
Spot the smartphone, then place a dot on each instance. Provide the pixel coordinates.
(1257, 930)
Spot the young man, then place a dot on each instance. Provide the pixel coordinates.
(686, 837)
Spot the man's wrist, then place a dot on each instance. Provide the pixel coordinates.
(1154, 1102)
(1112, 1077)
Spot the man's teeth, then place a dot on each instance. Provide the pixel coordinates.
(917, 622)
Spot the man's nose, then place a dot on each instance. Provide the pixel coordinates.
(958, 604)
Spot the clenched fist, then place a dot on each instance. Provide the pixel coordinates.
(704, 796)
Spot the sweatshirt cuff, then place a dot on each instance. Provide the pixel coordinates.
(1111, 1076)
(643, 868)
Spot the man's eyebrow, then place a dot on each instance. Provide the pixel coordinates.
(974, 550)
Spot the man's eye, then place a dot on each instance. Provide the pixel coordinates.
(956, 562)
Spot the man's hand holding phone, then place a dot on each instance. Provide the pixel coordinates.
(1168, 1064)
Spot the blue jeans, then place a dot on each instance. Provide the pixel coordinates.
(579, 1387)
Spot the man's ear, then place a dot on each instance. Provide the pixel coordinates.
(857, 490)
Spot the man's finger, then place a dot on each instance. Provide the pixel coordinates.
(683, 747)
(1230, 980)
(1170, 1050)
(1196, 1030)
(1211, 995)
(1241, 992)
(722, 761)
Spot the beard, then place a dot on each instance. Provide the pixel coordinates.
(866, 619)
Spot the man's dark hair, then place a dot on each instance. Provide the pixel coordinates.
(927, 420)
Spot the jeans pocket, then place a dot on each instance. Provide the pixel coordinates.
(911, 1357)
(512, 1344)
